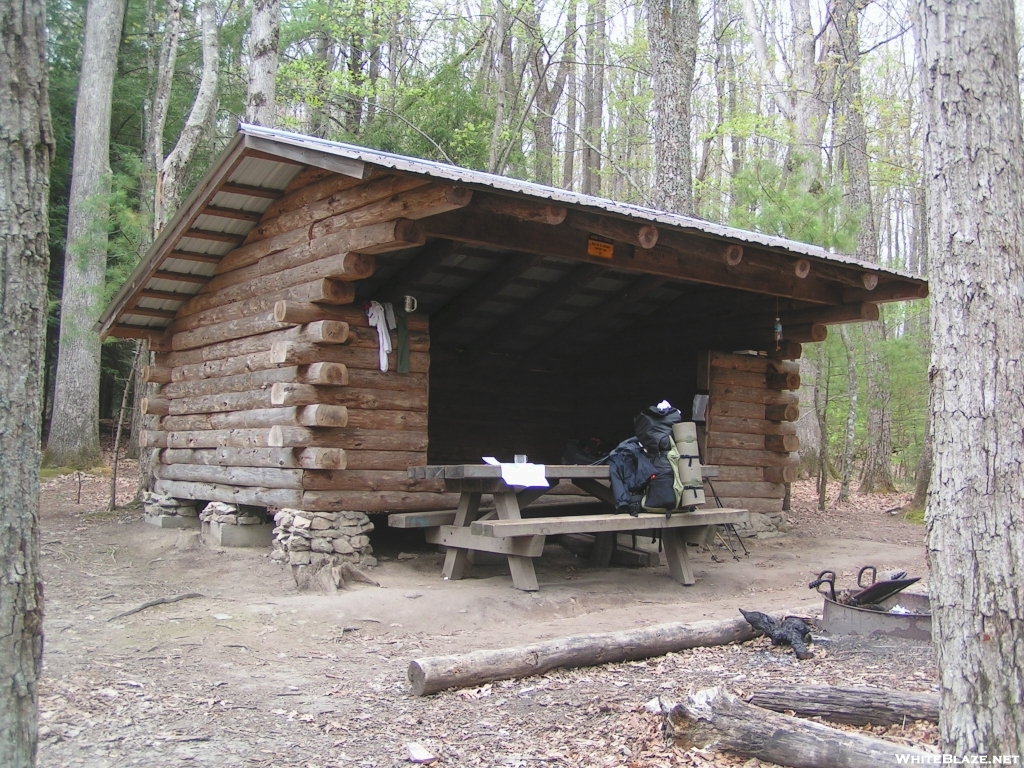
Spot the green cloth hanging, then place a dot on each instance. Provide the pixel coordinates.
(403, 339)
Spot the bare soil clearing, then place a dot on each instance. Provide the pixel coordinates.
(255, 673)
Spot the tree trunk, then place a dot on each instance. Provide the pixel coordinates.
(715, 718)
(260, 105)
(876, 476)
(74, 438)
(821, 411)
(924, 467)
(161, 70)
(593, 97)
(974, 161)
(502, 48)
(672, 29)
(571, 33)
(171, 180)
(26, 150)
(851, 413)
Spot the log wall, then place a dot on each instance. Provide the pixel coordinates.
(271, 393)
(749, 432)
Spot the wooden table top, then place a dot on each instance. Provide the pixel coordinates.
(493, 472)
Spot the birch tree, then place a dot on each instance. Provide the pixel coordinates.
(74, 438)
(26, 149)
(974, 163)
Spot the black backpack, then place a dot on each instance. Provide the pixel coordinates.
(654, 428)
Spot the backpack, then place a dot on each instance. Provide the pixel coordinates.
(653, 428)
(678, 484)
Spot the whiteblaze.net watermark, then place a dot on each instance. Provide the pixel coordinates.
(954, 760)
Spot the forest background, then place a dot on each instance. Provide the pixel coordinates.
(801, 118)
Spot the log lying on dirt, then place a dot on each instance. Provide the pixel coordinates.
(853, 706)
(714, 718)
(437, 673)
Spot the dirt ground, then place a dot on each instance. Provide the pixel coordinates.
(254, 673)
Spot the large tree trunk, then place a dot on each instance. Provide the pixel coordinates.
(672, 28)
(170, 182)
(593, 97)
(568, 163)
(974, 163)
(161, 71)
(264, 31)
(851, 413)
(26, 147)
(74, 438)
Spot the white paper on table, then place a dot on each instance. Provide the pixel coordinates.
(522, 475)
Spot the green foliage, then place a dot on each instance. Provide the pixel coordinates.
(770, 198)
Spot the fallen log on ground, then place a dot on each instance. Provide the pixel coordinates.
(437, 673)
(715, 719)
(853, 706)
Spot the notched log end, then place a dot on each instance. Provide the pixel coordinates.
(417, 678)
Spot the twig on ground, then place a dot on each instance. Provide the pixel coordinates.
(158, 601)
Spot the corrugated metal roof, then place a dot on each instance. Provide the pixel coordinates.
(260, 163)
(469, 177)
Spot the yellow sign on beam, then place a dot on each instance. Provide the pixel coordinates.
(602, 247)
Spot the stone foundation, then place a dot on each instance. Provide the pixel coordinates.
(319, 538)
(772, 525)
(168, 512)
(228, 525)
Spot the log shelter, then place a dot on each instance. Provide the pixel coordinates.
(542, 316)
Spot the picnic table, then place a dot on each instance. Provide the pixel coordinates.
(505, 531)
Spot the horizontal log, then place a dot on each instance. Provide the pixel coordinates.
(334, 265)
(322, 458)
(377, 501)
(368, 480)
(154, 406)
(749, 490)
(156, 374)
(894, 291)
(384, 460)
(787, 350)
(717, 407)
(850, 705)
(152, 438)
(858, 312)
(750, 458)
(259, 477)
(344, 246)
(790, 381)
(350, 439)
(782, 474)
(735, 440)
(715, 718)
(739, 474)
(321, 331)
(303, 194)
(302, 216)
(230, 494)
(524, 210)
(754, 364)
(283, 458)
(752, 395)
(302, 353)
(238, 383)
(321, 291)
(299, 312)
(782, 443)
(419, 203)
(723, 376)
(856, 278)
(782, 412)
(755, 426)
(641, 235)
(221, 403)
(354, 397)
(437, 673)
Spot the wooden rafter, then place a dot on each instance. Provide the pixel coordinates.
(180, 277)
(231, 213)
(149, 293)
(199, 258)
(220, 237)
(248, 190)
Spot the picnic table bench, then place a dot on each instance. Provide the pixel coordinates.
(505, 531)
